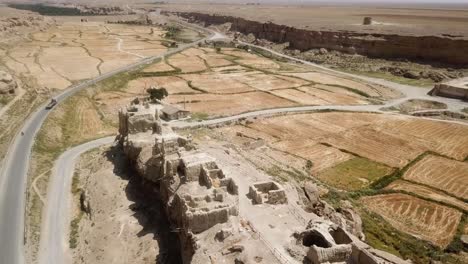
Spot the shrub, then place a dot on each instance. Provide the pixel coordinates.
(157, 93)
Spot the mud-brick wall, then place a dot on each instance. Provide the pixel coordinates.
(418, 48)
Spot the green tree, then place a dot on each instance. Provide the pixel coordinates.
(157, 93)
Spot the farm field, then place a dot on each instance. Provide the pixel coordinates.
(216, 79)
(350, 151)
(441, 173)
(426, 192)
(354, 174)
(426, 220)
(388, 139)
(52, 56)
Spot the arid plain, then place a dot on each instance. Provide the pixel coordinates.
(356, 139)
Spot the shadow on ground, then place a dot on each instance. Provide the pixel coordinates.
(147, 208)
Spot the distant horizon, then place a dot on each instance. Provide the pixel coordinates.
(376, 3)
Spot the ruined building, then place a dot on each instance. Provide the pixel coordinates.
(196, 193)
(201, 203)
(325, 242)
(457, 89)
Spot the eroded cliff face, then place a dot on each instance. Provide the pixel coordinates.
(421, 48)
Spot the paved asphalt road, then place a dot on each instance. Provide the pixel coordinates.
(13, 175)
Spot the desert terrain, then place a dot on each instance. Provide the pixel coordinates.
(253, 153)
(313, 33)
(412, 20)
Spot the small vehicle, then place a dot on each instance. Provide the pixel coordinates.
(51, 104)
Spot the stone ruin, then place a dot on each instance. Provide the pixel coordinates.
(202, 202)
(137, 118)
(325, 242)
(457, 89)
(196, 193)
(267, 192)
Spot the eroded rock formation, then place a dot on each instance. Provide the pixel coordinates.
(7, 83)
(446, 50)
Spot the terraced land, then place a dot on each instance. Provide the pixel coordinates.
(227, 81)
(441, 173)
(426, 220)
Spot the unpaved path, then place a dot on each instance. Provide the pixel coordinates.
(53, 248)
(56, 222)
(409, 92)
(119, 47)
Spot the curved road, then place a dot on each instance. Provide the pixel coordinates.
(13, 174)
(409, 92)
(54, 243)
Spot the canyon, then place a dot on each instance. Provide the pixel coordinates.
(431, 49)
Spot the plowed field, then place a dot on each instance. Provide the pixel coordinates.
(427, 192)
(388, 139)
(426, 220)
(441, 173)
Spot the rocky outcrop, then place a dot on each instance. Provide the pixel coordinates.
(419, 48)
(7, 83)
(344, 216)
(196, 194)
(15, 25)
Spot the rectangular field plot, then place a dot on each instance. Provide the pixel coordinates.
(173, 85)
(426, 192)
(354, 174)
(322, 78)
(388, 139)
(444, 138)
(426, 220)
(322, 157)
(389, 149)
(441, 173)
(230, 104)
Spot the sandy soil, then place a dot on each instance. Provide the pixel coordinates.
(425, 220)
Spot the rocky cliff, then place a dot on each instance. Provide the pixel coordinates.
(431, 49)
